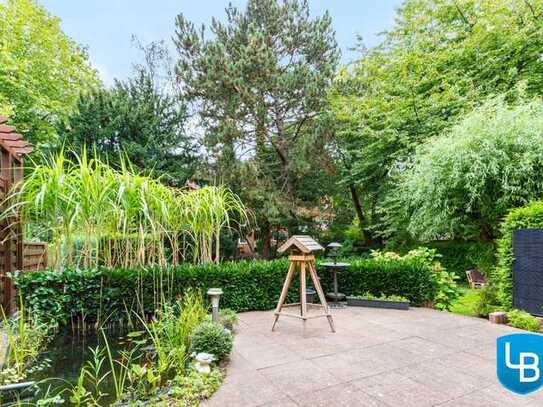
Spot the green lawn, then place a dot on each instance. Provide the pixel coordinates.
(466, 303)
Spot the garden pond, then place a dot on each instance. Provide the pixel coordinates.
(59, 367)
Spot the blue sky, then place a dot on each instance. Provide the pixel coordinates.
(106, 26)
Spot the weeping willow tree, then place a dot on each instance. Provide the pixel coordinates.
(96, 215)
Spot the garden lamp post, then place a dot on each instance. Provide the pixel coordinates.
(333, 250)
(334, 267)
(215, 294)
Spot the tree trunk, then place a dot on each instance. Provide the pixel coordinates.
(281, 148)
(265, 239)
(288, 188)
(486, 234)
(359, 214)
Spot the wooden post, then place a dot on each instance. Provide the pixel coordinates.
(303, 297)
(303, 262)
(321, 295)
(497, 317)
(12, 149)
(284, 293)
(6, 174)
(17, 179)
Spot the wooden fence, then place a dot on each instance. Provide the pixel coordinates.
(13, 148)
(34, 258)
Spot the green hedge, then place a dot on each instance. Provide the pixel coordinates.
(457, 257)
(530, 216)
(247, 285)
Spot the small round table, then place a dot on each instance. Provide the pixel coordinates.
(336, 296)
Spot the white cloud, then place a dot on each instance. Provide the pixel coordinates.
(103, 72)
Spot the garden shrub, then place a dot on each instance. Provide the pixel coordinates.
(411, 278)
(190, 389)
(445, 288)
(522, 320)
(213, 338)
(467, 302)
(459, 256)
(368, 296)
(530, 216)
(227, 318)
(462, 183)
(487, 301)
(248, 285)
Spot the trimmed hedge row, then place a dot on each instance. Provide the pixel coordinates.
(247, 285)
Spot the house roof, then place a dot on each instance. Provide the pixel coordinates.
(11, 140)
(305, 244)
(191, 185)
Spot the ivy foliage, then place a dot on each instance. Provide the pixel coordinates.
(530, 216)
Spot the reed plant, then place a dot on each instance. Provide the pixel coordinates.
(170, 331)
(95, 215)
(24, 338)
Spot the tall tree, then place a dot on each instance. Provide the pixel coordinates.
(259, 84)
(42, 70)
(140, 118)
(442, 59)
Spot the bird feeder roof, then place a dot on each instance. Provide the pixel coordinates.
(11, 140)
(303, 243)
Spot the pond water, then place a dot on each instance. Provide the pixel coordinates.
(67, 354)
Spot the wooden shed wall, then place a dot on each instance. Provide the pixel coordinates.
(14, 254)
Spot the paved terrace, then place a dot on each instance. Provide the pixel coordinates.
(377, 358)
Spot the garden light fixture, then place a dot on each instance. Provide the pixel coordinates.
(215, 294)
(334, 267)
(333, 250)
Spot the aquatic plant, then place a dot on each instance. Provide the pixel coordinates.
(153, 368)
(95, 215)
(170, 331)
(25, 337)
(91, 375)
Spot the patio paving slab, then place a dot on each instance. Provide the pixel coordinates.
(377, 358)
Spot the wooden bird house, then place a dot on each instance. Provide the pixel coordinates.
(301, 243)
(301, 249)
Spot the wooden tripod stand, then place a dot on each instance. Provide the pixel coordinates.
(303, 262)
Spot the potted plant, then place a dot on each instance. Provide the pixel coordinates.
(382, 301)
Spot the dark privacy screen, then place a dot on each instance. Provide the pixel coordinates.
(528, 270)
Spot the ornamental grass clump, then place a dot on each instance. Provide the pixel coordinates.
(26, 336)
(95, 215)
